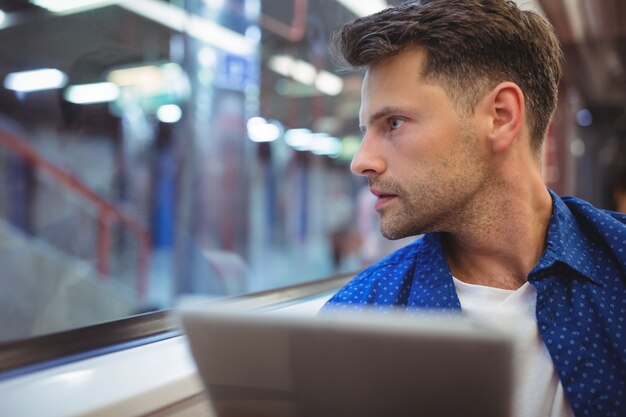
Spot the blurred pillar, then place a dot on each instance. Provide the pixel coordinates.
(214, 201)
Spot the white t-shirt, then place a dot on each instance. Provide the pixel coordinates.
(537, 390)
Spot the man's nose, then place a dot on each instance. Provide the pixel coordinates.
(368, 159)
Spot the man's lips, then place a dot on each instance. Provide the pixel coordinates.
(382, 198)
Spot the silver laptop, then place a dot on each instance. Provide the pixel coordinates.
(365, 364)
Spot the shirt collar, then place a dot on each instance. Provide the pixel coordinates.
(432, 286)
(566, 243)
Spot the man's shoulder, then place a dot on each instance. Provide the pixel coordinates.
(588, 213)
(600, 229)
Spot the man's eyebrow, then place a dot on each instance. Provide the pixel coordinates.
(381, 114)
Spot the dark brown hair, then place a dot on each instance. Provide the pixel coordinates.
(472, 45)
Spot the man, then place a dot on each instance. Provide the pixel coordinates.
(456, 100)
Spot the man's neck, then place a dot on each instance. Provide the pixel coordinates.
(503, 240)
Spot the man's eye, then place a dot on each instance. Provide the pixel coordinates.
(395, 123)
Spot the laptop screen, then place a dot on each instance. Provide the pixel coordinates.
(361, 364)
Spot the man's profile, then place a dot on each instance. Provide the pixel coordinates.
(456, 101)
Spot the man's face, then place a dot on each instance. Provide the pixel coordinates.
(423, 160)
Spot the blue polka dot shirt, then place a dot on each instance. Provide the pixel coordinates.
(581, 298)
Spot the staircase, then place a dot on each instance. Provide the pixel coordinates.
(43, 290)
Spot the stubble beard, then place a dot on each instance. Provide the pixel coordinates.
(413, 216)
(435, 202)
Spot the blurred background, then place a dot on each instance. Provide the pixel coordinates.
(156, 149)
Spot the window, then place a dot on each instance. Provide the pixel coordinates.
(150, 151)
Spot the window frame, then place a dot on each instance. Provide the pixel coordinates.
(46, 351)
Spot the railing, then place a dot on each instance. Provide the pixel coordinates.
(108, 214)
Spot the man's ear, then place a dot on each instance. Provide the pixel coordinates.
(504, 113)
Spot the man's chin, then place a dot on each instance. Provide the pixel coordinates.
(396, 231)
(396, 234)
